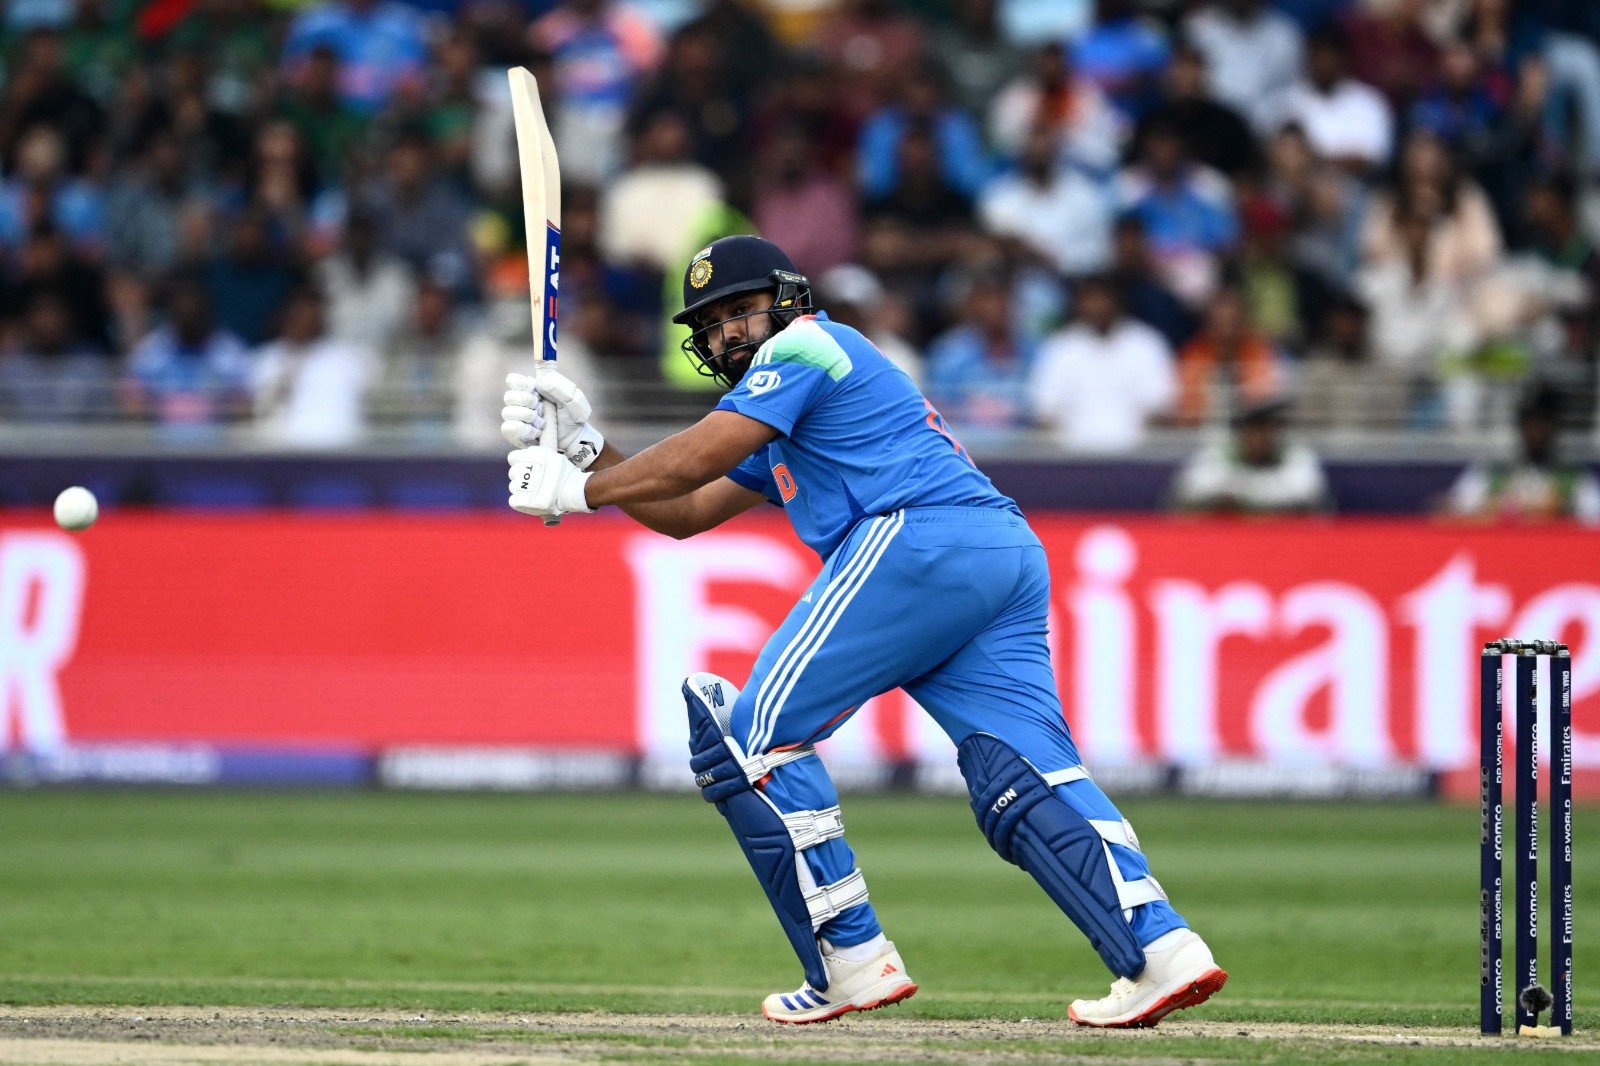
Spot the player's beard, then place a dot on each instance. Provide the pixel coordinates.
(736, 358)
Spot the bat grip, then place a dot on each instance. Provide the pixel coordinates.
(547, 438)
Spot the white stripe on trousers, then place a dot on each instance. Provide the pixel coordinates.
(834, 610)
(796, 645)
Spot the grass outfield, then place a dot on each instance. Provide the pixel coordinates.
(1352, 915)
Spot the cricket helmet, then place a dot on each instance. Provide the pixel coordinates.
(729, 267)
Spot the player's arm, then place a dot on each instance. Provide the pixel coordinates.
(683, 463)
(704, 508)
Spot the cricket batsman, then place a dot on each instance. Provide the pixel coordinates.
(931, 581)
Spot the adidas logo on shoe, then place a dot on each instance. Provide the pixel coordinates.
(889, 969)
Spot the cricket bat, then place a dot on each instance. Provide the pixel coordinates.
(541, 209)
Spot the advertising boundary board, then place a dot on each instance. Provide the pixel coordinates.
(1212, 656)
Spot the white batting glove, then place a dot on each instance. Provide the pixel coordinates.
(544, 482)
(523, 416)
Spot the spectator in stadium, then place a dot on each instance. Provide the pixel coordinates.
(38, 190)
(1324, 205)
(1214, 133)
(189, 375)
(978, 369)
(1228, 366)
(369, 291)
(1460, 108)
(1341, 386)
(240, 39)
(978, 56)
(1099, 382)
(873, 44)
(1187, 211)
(45, 263)
(329, 127)
(746, 51)
(802, 207)
(424, 219)
(216, 144)
(648, 214)
(144, 205)
(1059, 213)
(804, 94)
(1124, 54)
(1391, 48)
(1282, 297)
(281, 182)
(1253, 470)
(1536, 485)
(1464, 240)
(962, 158)
(1555, 237)
(601, 51)
(50, 374)
(1051, 94)
(415, 385)
(691, 83)
(1252, 55)
(38, 90)
(920, 227)
(1345, 121)
(1144, 294)
(381, 45)
(1419, 317)
(309, 388)
(450, 109)
(249, 283)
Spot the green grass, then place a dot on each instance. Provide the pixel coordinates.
(1353, 913)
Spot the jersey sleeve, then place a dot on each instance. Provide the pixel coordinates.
(756, 475)
(789, 376)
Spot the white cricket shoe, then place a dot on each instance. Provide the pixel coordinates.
(877, 982)
(1179, 973)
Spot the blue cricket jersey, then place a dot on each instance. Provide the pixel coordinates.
(856, 437)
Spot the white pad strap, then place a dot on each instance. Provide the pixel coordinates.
(1130, 894)
(809, 828)
(1061, 777)
(826, 902)
(758, 766)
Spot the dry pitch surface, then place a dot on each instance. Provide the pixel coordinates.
(180, 1036)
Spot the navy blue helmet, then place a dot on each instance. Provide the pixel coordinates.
(729, 267)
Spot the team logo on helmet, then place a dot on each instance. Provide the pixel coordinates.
(700, 273)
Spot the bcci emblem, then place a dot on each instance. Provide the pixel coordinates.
(700, 273)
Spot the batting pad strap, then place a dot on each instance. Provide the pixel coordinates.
(809, 828)
(758, 766)
(1061, 777)
(1134, 893)
(826, 902)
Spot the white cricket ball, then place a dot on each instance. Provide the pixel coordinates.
(76, 508)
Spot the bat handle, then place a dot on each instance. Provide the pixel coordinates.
(547, 439)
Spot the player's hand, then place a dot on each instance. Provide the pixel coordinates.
(522, 420)
(544, 482)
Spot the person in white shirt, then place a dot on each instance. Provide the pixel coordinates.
(309, 387)
(1100, 381)
(1537, 484)
(1057, 211)
(647, 214)
(1346, 121)
(1252, 55)
(370, 292)
(1254, 470)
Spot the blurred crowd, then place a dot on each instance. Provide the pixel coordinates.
(1091, 217)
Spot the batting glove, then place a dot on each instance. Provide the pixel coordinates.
(544, 482)
(522, 420)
